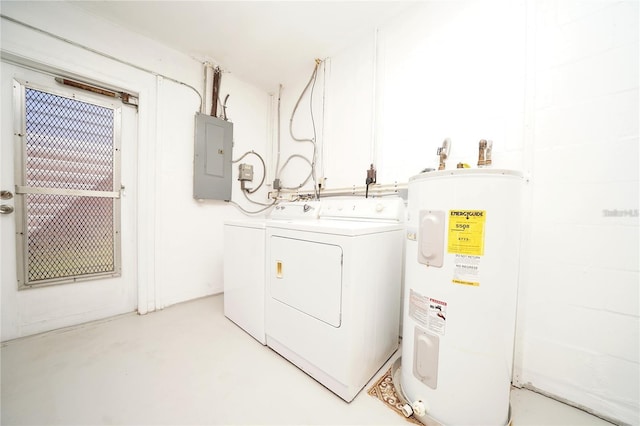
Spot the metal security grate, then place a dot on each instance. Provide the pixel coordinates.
(70, 205)
(69, 236)
(69, 143)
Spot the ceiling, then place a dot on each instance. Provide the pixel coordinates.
(260, 42)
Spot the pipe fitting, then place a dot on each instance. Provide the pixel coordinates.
(419, 408)
(443, 153)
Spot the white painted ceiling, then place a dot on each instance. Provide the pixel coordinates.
(259, 41)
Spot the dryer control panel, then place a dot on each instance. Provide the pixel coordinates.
(379, 209)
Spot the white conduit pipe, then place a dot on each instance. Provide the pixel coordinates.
(374, 190)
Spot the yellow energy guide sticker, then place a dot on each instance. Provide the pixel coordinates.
(466, 232)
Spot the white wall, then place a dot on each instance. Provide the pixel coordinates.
(451, 69)
(440, 71)
(579, 334)
(179, 254)
(189, 232)
(349, 142)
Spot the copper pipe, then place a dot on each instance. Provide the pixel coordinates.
(482, 146)
(215, 92)
(87, 87)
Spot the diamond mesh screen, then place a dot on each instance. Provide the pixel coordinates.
(69, 145)
(69, 236)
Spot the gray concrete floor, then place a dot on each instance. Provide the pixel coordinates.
(186, 365)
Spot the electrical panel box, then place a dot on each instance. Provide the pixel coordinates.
(212, 158)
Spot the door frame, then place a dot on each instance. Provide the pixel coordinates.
(146, 127)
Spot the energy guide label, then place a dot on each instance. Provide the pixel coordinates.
(428, 312)
(466, 232)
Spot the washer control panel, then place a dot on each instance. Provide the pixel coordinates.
(296, 210)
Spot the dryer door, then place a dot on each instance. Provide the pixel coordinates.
(307, 276)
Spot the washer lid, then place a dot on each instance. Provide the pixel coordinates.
(247, 223)
(350, 228)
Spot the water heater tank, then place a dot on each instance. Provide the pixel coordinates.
(461, 279)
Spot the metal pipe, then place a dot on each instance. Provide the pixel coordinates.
(374, 190)
(214, 92)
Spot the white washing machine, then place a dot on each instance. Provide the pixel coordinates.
(244, 265)
(333, 290)
(244, 251)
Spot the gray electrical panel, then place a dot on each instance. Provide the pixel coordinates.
(212, 158)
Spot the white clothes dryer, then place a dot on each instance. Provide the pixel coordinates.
(244, 265)
(333, 290)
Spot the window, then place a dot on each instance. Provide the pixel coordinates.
(68, 182)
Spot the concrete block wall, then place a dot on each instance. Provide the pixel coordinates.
(578, 330)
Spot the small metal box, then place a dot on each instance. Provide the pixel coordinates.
(245, 172)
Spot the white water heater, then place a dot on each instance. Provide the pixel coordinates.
(461, 279)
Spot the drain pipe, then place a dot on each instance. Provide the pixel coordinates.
(408, 408)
